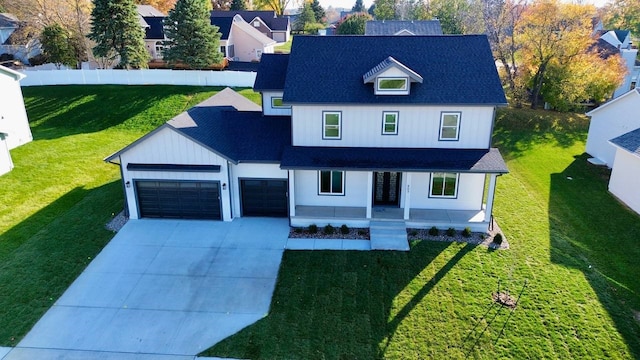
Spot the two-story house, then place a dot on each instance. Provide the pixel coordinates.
(352, 129)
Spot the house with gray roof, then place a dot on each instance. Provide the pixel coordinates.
(618, 42)
(403, 27)
(624, 183)
(267, 22)
(353, 130)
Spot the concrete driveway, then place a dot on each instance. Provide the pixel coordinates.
(163, 287)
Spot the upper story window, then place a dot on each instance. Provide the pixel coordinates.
(398, 85)
(444, 185)
(450, 126)
(390, 123)
(256, 23)
(331, 125)
(276, 103)
(391, 77)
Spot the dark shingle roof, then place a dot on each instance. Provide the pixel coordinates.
(604, 49)
(269, 17)
(621, 34)
(237, 135)
(386, 64)
(224, 25)
(457, 69)
(392, 27)
(629, 141)
(397, 159)
(155, 29)
(271, 72)
(8, 20)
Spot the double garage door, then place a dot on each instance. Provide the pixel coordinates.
(201, 199)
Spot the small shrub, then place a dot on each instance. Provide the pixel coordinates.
(434, 231)
(451, 232)
(413, 233)
(328, 230)
(497, 239)
(362, 232)
(37, 60)
(297, 230)
(344, 229)
(313, 228)
(466, 232)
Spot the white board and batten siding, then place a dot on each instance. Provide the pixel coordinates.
(167, 146)
(609, 121)
(13, 116)
(355, 190)
(6, 164)
(625, 179)
(251, 171)
(468, 197)
(267, 104)
(418, 126)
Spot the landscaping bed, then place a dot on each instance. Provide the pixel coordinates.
(343, 233)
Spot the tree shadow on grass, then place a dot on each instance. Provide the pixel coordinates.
(42, 255)
(518, 130)
(338, 305)
(58, 111)
(592, 232)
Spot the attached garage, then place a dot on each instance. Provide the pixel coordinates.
(264, 197)
(178, 199)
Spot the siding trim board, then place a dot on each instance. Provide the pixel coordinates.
(173, 167)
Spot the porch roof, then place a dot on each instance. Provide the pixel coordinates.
(393, 159)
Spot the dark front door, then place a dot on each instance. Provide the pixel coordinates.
(386, 188)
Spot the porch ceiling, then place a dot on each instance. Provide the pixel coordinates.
(393, 159)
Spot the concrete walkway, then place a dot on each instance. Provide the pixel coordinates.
(163, 289)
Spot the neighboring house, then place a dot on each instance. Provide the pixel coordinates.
(17, 39)
(14, 124)
(610, 120)
(240, 41)
(266, 22)
(151, 19)
(8, 24)
(624, 183)
(402, 27)
(388, 128)
(610, 42)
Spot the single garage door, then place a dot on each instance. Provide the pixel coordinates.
(264, 197)
(179, 199)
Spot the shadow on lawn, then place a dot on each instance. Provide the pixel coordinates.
(592, 232)
(518, 130)
(338, 305)
(57, 111)
(42, 255)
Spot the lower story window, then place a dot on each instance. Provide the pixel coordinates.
(331, 182)
(444, 185)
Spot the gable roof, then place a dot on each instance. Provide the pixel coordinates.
(228, 97)
(634, 92)
(629, 141)
(385, 65)
(8, 21)
(456, 69)
(272, 72)
(12, 73)
(621, 34)
(267, 17)
(252, 31)
(155, 29)
(394, 27)
(149, 11)
(224, 26)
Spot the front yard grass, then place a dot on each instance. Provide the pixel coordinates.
(574, 244)
(55, 202)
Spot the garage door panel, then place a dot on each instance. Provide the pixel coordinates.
(264, 197)
(178, 199)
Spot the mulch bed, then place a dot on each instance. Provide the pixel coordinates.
(353, 234)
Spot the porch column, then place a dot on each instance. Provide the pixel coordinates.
(369, 193)
(407, 196)
(490, 195)
(292, 194)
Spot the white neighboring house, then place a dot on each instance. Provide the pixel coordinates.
(610, 120)
(240, 41)
(14, 124)
(619, 41)
(625, 175)
(151, 20)
(353, 130)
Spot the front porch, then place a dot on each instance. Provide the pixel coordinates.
(417, 218)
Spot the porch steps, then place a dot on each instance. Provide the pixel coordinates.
(388, 235)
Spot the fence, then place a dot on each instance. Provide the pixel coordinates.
(138, 77)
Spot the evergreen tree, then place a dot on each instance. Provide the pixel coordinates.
(117, 32)
(318, 11)
(192, 39)
(57, 46)
(238, 5)
(358, 7)
(306, 17)
(385, 9)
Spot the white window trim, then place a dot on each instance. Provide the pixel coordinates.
(324, 125)
(442, 115)
(455, 193)
(330, 193)
(273, 105)
(404, 91)
(384, 122)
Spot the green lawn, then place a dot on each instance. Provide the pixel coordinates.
(55, 202)
(570, 240)
(575, 245)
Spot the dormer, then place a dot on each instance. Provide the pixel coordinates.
(391, 77)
